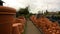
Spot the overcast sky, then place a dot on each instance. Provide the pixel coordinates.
(34, 5)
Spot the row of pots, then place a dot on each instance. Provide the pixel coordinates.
(18, 26)
(47, 26)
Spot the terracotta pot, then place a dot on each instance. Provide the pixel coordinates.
(16, 30)
(21, 26)
(6, 19)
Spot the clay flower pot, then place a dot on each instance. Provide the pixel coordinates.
(15, 29)
(6, 19)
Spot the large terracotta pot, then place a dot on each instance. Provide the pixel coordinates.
(7, 15)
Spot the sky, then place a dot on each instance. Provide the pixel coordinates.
(34, 5)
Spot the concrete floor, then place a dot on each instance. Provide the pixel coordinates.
(31, 28)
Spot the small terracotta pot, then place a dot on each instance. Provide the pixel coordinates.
(21, 26)
(16, 30)
(7, 15)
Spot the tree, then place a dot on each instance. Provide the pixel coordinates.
(23, 12)
(1, 3)
(46, 11)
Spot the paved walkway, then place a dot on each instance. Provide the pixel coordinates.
(31, 28)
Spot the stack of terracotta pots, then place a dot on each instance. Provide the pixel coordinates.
(47, 26)
(18, 25)
(22, 20)
(9, 24)
(15, 29)
(7, 15)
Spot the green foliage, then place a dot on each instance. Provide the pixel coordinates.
(23, 12)
(46, 12)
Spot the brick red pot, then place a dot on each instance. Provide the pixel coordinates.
(21, 26)
(6, 19)
(16, 30)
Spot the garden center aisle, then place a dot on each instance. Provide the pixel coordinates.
(31, 28)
